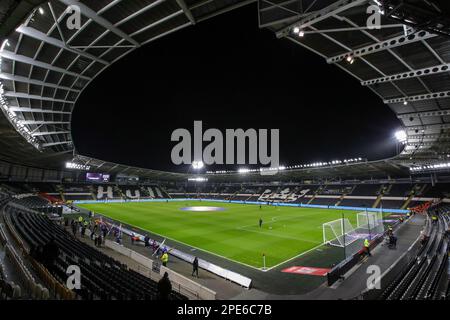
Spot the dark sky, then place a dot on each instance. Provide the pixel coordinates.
(230, 74)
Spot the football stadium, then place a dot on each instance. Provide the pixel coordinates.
(104, 197)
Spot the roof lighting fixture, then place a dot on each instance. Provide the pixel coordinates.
(401, 136)
(197, 165)
(41, 10)
(77, 166)
(198, 179)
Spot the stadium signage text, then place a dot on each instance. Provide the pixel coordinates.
(235, 140)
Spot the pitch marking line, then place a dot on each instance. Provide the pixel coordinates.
(273, 234)
(295, 257)
(183, 243)
(216, 254)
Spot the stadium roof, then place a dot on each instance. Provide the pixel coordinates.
(45, 67)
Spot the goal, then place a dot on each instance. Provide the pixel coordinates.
(339, 233)
(371, 222)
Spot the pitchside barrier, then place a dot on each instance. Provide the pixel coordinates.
(334, 275)
(281, 204)
(203, 264)
(344, 266)
(185, 285)
(392, 272)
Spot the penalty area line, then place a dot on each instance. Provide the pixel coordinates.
(295, 257)
(185, 244)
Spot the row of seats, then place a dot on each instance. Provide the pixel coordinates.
(102, 277)
(425, 273)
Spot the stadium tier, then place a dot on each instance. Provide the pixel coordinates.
(207, 214)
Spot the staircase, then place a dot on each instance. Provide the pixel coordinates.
(164, 192)
(417, 189)
(94, 196)
(119, 191)
(315, 194)
(382, 191)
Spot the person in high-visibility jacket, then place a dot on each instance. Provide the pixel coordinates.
(165, 259)
(367, 247)
(434, 218)
(80, 219)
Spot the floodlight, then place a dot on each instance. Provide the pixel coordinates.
(41, 10)
(401, 135)
(197, 165)
(301, 34)
(296, 30)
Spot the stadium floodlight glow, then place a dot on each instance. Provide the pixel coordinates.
(198, 179)
(197, 165)
(350, 59)
(405, 103)
(301, 34)
(401, 136)
(41, 10)
(77, 166)
(296, 30)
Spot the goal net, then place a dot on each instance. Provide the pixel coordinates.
(370, 222)
(339, 233)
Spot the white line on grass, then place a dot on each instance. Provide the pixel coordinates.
(183, 243)
(297, 256)
(273, 234)
(223, 257)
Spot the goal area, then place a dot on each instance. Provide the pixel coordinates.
(339, 233)
(370, 222)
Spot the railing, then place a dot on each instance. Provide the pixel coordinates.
(180, 283)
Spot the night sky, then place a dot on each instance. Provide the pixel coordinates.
(230, 74)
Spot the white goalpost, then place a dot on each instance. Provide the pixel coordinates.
(368, 220)
(371, 222)
(339, 233)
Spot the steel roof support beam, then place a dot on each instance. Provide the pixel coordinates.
(33, 122)
(224, 10)
(19, 58)
(383, 45)
(12, 94)
(430, 127)
(170, 16)
(49, 133)
(425, 144)
(13, 77)
(56, 143)
(317, 16)
(20, 109)
(420, 97)
(186, 10)
(436, 113)
(409, 75)
(139, 12)
(429, 136)
(36, 34)
(91, 14)
(166, 33)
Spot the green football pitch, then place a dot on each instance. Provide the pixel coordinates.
(233, 233)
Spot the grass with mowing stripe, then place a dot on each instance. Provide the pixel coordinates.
(233, 233)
